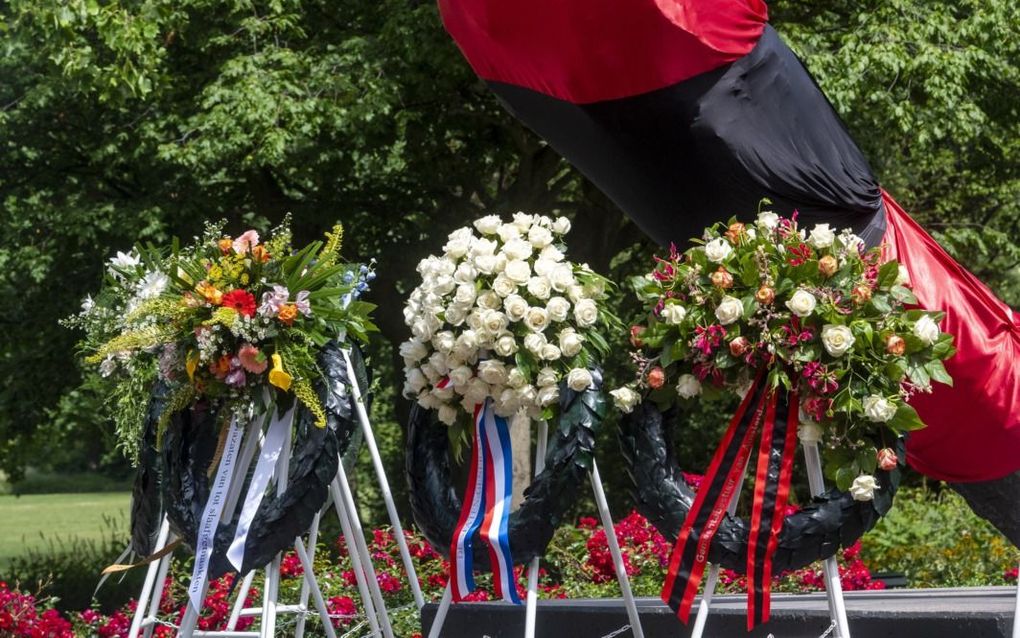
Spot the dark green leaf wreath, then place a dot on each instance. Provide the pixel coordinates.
(436, 506)
(175, 478)
(814, 533)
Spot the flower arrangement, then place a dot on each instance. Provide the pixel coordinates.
(818, 310)
(233, 319)
(503, 315)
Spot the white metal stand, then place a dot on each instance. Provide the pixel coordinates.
(531, 603)
(833, 586)
(1016, 611)
(343, 501)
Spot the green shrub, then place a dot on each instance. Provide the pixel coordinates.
(67, 570)
(47, 483)
(937, 541)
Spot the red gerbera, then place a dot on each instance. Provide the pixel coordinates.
(240, 300)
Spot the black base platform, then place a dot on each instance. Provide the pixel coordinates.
(980, 612)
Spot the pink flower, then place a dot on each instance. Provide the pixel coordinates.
(248, 240)
(252, 359)
(301, 301)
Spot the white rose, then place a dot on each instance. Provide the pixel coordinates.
(729, 310)
(429, 402)
(503, 286)
(460, 376)
(444, 285)
(523, 221)
(878, 409)
(575, 293)
(467, 340)
(718, 250)
(507, 232)
(688, 386)
(562, 277)
(489, 300)
(544, 266)
(518, 271)
(674, 313)
(837, 339)
(579, 379)
(534, 343)
(516, 378)
(625, 399)
(551, 253)
(483, 247)
(476, 391)
(547, 376)
(526, 394)
(558, 308)
(539, 237)
(444, 393)
(485, 264)
(459, 243)
(550, 352)
(768, 219)
(561, 226)
(492, 371)
(850, 240)
(809, 432)
(821, 236)
(416, 381)
(456, 314)
(863, 488)
(465, 273)
(505, 346)
(422, 329)
(438, 361)
(494, 321)
(465, 294)
(517, 248)
(430, 373)
(586, 313)
(488, 225)
(516, 307)
(902, 276)
(802, 303)
(413, 350)
(507, 403)
(447, 414)
(536, 318)
(474, 320)
(926, 330)
(539, 287)
(547, 395)
(570, 342)
(444, 341)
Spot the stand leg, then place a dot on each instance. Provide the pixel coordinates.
(242, 595)
(272, 586)
(614, 549)
(164, 567)
(150, 580)
(320, 603)
(541, 442)
(313, 538)
(187, 626)
(441, 611)
(384, 486)
(833, 587)
(360, 546)
(1016, 612)
(360, 576)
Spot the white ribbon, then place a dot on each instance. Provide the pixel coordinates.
(212, 512)
(272, 447)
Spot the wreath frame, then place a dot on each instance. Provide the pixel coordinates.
(174, 478)
(436, 506)
(662, 495)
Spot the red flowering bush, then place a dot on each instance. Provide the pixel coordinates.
(22, 615)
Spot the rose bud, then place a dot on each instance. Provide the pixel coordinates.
(887, 459)
(734, 231)
(739, 346)
(765, 295)
(895, 345)
(722, 278)
(828, 265)
(861, 293)
(656, 378)
(635, 336)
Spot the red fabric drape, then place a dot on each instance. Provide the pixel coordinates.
(973, 431)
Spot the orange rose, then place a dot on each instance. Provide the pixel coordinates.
(739, 346)
(887, 459)
(288, 313)
(260, 254)
(635, 336)
(226, 245)
(722, 278)
(861, 293)
(220, 367)
(765, 295)
(656, 378)
(828, 265)
(734, 232)
(895, 345)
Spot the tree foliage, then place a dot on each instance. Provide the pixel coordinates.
(139, 119)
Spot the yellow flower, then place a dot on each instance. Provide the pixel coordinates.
(191, 364)
(211, 293)
(277, 376)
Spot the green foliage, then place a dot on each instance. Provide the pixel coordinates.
(937, 541)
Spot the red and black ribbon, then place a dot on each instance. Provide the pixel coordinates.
(718, 488)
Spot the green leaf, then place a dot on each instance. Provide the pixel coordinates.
(887, 274)
(845, 476)
(903, 295)
(937, 372)
(906, 420)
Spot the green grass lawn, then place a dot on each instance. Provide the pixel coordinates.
(22, 519)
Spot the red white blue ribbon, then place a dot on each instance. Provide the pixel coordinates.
(486, 508)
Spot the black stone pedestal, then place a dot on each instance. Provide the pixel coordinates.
(985, 612)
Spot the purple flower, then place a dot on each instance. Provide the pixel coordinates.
(271, 301)
(236, 376)
(302, 303)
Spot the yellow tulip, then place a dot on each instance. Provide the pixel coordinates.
(191, 364)
(277, 376)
